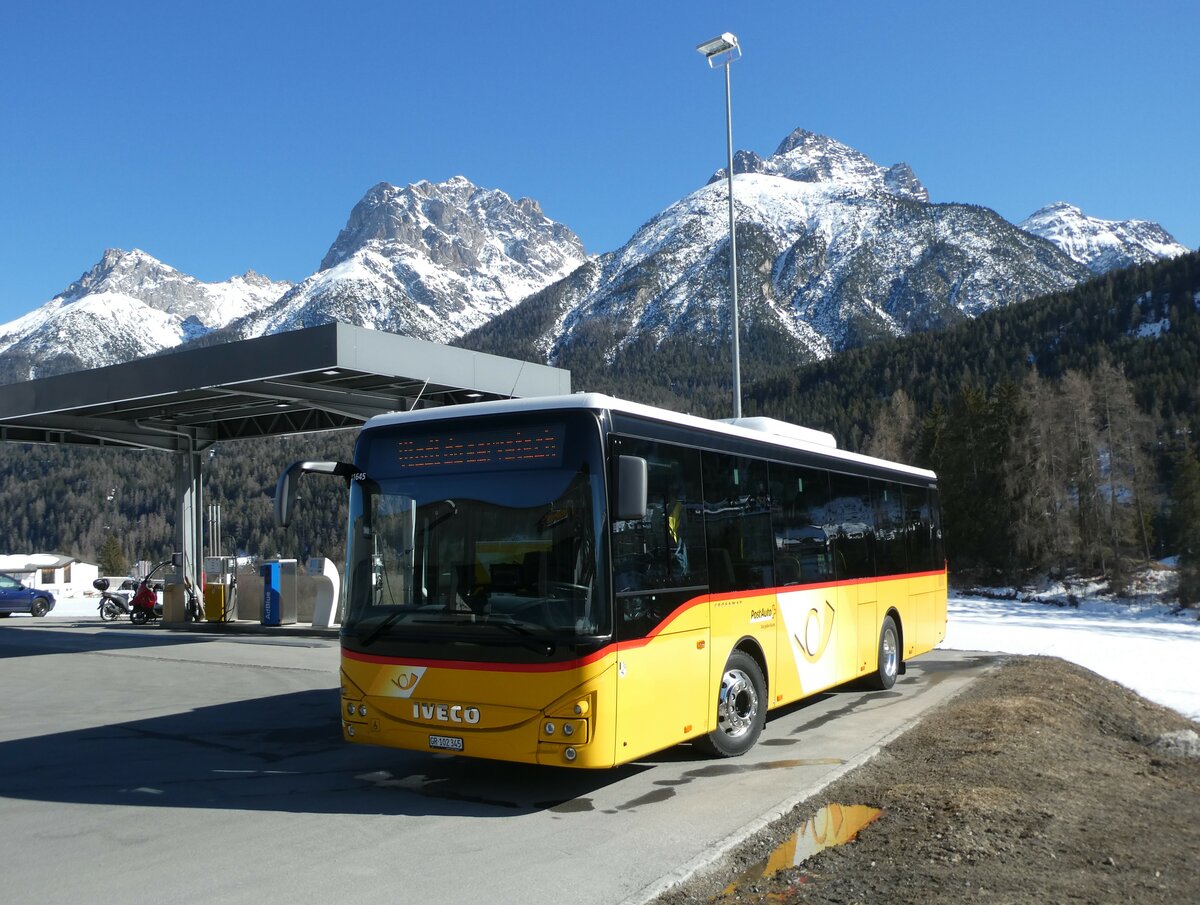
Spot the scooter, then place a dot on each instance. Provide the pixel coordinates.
(112, 606)
(146, 605)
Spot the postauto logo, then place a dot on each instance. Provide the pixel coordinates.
(399, 681)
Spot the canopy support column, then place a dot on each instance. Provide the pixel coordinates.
(189, 509)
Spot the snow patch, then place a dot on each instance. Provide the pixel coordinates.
(1146, 646)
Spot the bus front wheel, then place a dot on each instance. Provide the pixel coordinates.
(741, 708)
(888, 662)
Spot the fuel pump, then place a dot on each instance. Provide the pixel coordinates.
(220, 588)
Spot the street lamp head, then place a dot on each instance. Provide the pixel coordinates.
(721, 50)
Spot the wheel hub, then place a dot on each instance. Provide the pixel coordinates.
(891, 654)
(737, 704)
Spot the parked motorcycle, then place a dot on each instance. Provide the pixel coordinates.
(145, 605)
(112, 605)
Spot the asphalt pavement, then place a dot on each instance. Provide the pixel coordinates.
(143, 765)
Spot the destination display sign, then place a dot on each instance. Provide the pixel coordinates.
(502, 450)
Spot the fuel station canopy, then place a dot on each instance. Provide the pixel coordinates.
(329, 377)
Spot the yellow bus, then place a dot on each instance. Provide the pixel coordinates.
(583, 581)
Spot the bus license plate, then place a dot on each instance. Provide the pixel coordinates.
(446, 742)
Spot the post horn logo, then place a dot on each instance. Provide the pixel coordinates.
(818, 628)
(403, 680)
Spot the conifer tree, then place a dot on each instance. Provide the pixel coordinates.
(1186, 518)
(112, 559)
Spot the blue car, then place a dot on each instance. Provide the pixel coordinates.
(16, 598)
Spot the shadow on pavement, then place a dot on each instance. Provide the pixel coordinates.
(33, 641)
(281, 753)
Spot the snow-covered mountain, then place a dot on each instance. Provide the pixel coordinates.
(129, 305)
(1102, 245)
(426, 260)
(834, 251)
(431, 260)
(807, 157)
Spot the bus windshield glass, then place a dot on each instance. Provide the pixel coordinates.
(478, 532)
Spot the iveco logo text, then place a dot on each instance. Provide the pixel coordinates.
(762, 615)
(446, 713)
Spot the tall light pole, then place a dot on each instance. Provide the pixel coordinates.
(721, 51)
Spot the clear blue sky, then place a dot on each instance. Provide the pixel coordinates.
(222, 136)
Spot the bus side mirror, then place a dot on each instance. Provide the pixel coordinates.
(631, 488)
(285, 490)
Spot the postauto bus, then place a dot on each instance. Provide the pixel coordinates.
(582, 581)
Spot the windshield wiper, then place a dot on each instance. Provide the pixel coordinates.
(373, 635)
(531, 640)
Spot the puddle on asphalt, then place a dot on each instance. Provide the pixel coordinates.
(834, 824)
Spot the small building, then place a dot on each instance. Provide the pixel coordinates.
(62, 576)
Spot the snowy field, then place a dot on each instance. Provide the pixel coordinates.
(1141, 645)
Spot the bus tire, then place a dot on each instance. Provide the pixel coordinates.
(741, 708)
(887, 665)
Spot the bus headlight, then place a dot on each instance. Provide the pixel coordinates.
(565, 730)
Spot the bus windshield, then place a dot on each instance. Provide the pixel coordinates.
(483, 536)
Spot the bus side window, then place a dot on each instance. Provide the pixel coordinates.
(891, 558)
(851, 517)
(803, 552)
(666, 548)
(737, 523)
(922, 529)
(939, 546)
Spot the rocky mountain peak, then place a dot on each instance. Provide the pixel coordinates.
(1101, 245)
(429, 259)
(128, 305)
(131, 273)
(805, 156)
(837, 251)
(452, 223)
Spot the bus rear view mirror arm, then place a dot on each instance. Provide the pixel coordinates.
(631, 488)
(285, 490)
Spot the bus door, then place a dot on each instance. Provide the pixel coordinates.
(660, 585)
(663, 678)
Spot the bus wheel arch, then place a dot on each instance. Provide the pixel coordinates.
(752, 649)
(741, 703)
(895, 614)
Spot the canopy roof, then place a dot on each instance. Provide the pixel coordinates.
(321, 378)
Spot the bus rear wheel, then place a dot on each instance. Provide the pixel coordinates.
(888, 662)
(741, 708)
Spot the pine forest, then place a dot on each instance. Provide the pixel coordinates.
(1064, 431)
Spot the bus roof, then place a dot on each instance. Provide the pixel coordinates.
(761, 430)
